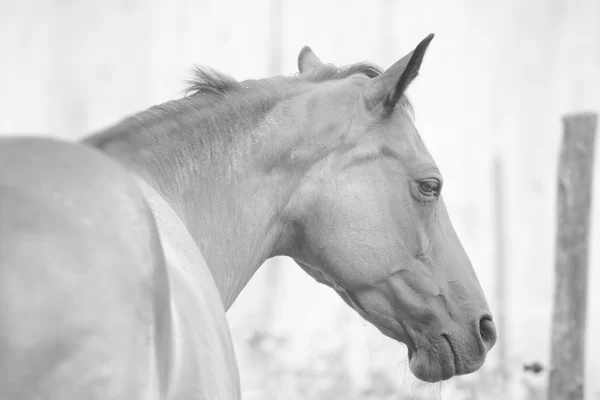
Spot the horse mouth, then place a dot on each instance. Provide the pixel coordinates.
(434, 366)
(425, 365)
(453, 354)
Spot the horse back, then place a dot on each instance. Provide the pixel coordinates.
(83, 289)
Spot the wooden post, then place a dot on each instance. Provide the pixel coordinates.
(575, 173)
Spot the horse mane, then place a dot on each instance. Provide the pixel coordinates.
(330, 72)
(208, 82)
(209, 90)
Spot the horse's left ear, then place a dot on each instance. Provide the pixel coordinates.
(308, 61)
(388, 87)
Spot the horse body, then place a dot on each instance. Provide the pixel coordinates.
(135, 301)
(122, 260)
(75, 289)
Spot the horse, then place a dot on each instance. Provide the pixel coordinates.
(121, 253)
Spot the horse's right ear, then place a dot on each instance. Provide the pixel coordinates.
(388, 88)
(308, 61)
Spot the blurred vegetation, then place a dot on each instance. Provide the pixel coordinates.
(324, 375)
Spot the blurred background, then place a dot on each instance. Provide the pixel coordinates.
(494, 85)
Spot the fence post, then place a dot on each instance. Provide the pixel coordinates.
(575, 173)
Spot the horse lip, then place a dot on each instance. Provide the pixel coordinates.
(454, 354)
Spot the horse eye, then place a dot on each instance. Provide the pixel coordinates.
(429, 187)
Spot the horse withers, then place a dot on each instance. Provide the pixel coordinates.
(121, 254)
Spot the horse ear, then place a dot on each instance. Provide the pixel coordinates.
(388, 87)
(308, 61)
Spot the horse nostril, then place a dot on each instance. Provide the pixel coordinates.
(487, 330)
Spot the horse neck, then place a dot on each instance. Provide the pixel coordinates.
(232, 206)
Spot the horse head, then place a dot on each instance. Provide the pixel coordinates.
(371, 222)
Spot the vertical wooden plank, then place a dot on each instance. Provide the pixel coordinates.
(389, 30)
(575, 172)
(98, 69)
(25, 52)
(277, 37)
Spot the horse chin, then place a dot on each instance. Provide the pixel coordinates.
(435, 367)
(427, 367)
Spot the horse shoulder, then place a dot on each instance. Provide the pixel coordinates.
(202, 360)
